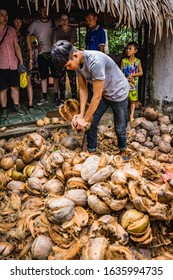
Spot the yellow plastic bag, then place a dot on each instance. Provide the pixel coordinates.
(23, 80)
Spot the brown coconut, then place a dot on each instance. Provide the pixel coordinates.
(164, 147)
(70, 142)
(147, 125)
(41, 247)
(166, 138)
(150, 114)
(156, 139)
(155, 131)
(164, 120)
(164, 129)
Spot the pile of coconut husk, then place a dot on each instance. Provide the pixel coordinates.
(150, 134)
(57, 202)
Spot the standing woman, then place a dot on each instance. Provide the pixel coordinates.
(26, 48)
(68, 33)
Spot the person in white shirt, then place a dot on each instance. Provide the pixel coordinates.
(43, 30)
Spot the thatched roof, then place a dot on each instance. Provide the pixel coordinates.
(156, 13)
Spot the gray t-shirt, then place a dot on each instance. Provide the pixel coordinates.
(44, 33)
(99, 66)
(69, 35)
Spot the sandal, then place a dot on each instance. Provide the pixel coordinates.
(132, 120)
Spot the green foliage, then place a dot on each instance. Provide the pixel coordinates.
(80, 44)
(118, 39)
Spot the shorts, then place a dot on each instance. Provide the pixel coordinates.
(8, 78)
(44, 63)
(133, 95)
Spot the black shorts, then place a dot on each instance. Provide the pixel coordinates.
(44, 64)
(8, 78)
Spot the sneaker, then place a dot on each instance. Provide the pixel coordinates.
(18, 110)
(42, 101)
(58, 103)
(4, 114)
(31, 108)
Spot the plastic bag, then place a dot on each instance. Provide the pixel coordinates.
(23, 80)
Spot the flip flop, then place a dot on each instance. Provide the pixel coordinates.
(132, 120)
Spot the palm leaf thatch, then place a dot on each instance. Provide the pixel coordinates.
(156, 13)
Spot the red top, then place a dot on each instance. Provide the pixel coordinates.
(8, 58)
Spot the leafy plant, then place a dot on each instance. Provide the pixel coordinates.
(117, 39)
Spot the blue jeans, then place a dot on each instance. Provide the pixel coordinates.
(120, 122)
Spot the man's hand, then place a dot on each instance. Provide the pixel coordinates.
(74, 120)
(79, 122)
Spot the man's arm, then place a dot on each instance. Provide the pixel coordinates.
(83, 97)
(30, 52)
(97, 96)
(102, 48)
(140, 70)
(83, 94)
(102, 41)
(81, 122)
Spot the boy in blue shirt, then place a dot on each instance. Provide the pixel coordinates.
(95, 37)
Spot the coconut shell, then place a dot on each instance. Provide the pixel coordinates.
(164, 128)
(89, 167)
(78, 196)
(155, 131)
(140, 137)
(69, 109)
(54, 186)
(102, 129)
(147, 125)
(148, 144)
(164, 147)
(117, 252)
(70, 142)
(98, 205)
(60, 209)
(41, 247)
(6, 248)
(40, 122)
(150, 114)
(95, 249)
(166, 138)
(137, 122)
(164, 120)
(156, 139)
(101, 175)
